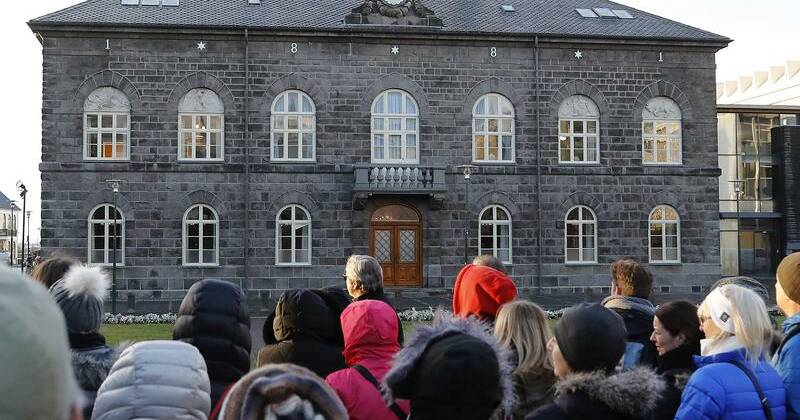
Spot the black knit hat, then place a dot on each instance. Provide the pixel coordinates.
(591, 337)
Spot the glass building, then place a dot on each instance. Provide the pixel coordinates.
(752, 225)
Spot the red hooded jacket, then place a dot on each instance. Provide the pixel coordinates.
(370, 330)
(480, 290)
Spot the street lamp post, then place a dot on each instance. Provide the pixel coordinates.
(23, 191)
(467, 169)
(28, 238)
(737, 190)
(115, 188)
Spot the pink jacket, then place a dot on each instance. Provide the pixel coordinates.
(370, 330)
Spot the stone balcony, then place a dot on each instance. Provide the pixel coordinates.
(371, 179)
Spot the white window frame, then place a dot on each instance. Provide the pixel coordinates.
(285, 131)
(500, 117)
(663, 223)
(579, 109)
(495, 224)
(385, 132)
(107, 237)
(295, 224)
(194, 131)
(201, 222)
(107, 101)
(666, 114)
(580, 223)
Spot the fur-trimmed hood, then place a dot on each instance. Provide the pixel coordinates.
(91, 366)
(415, 364)
(631, 393)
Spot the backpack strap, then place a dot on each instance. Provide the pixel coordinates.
(759, 391)
(401, 415)
(792, 332)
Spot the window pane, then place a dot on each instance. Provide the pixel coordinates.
(279, 122)
(208, 243)
(213, 139)
(480, 106)
(591, 127)
(479, 147)
(200, 145)
(395, 124)
(411, 146)
(308, 123)
(411, 123)
(193, 242)
(121, 145)
(411, 108)
(91, 144)
(294, 146)
(379, 107)
(505, 107)
(377, 123)
(280, 104)
(208, 256)
(215, 120)
(395, 147)
(200, 122)
(292, 96)
(506, 147)
(577, 127)
(308, 144)
(563, 126)
(479, 124)
(377, 146)
(492, 123)
(108, 144)
(307, 105)
(493, 148)
(572, 255)
(493, 108)
(91, 120)
(291, 123)
(107, 120)
(648, 128)
(395, 102)
(122, 121)
(505, 125)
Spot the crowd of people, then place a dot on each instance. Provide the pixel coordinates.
(339, 353)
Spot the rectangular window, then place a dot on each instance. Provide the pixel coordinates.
(201, 137)
(661, 142)
(578, 141)
(106, 136)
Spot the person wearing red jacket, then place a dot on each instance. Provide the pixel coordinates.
(370, 342)
(480, 291)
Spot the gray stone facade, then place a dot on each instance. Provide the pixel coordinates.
(343, 74)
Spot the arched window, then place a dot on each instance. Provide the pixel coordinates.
(293, 236)
(580, 236)
(200, 236)
(661, 132)
(293, 128)
(106, 125)
(494, 235)
(202, 126)
(665, 235)
(395, 128)
(106, 229)
(493, 129)
(578, 130)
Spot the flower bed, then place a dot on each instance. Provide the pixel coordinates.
(168, 318)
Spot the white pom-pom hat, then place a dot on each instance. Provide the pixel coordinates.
(80, 294)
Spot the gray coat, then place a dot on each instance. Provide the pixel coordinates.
(155, 380)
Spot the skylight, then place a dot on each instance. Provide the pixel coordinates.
(587, 13)
(507, 8)
(622, 14)
(163, 3)
(604, 12)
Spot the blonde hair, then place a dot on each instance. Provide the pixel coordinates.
(521, 326)
(752, 326)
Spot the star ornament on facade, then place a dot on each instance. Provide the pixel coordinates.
(395, 50)
(201, 45)
(579, 54)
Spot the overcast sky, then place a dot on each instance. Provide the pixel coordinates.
(764, 32)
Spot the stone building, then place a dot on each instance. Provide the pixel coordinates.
(265, 141)
(9, 222)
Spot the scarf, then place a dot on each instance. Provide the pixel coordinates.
(711, 346)
(86, 341)
(629, 303)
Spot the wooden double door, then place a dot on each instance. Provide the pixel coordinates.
(396, 242)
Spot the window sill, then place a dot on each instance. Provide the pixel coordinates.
(648, 164)
(89, 159)
(494, 162)
(580, 163)
(201, 160)
(292, 264)
(665, 263)
(400, 163)
(201, 265)
(581, 264)
(290, 161)
(104, 265)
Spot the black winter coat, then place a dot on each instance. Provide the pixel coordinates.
(638, 324)
(213, 317)
(675, 367)
(305, 331)
(630, 395)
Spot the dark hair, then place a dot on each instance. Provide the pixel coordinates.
(490, 261)
(631, 278)
(52, 270)
(680, 317)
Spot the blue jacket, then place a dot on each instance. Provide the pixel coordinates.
(719, 390)
(787, 363)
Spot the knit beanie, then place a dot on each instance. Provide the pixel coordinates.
(591, 337)
(789, 276)
(80, 295)
(36, 381)
(282, 392)
(747, 283)
(480, 291)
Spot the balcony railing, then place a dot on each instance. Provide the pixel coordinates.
(399, 179)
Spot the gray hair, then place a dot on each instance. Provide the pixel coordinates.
(365, 272)
(490, 261)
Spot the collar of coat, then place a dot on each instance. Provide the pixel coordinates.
(629, 303)
(631, 393)
(791, 322)
(444, 324)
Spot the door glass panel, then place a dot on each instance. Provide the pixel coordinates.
(383, 245)
(395, 213)
(408, 246)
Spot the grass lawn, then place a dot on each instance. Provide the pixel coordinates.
(115, 333)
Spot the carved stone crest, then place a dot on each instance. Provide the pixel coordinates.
(107, 99)
(393, 12)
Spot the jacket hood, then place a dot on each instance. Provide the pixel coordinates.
(631, 393)
(414, 369)
(304, 314)
(370, 330)
(285, 391)
(790, 322)
(479, 291)
(629, 303)
(155, 379)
